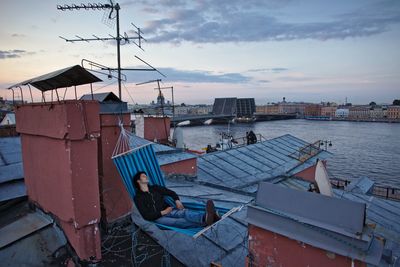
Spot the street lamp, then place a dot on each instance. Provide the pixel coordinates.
(325, 143)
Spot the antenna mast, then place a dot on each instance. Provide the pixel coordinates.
(117, 38)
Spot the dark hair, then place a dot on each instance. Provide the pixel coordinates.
(136, 177)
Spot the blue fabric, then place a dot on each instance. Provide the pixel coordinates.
(140, 159)
(144, 159)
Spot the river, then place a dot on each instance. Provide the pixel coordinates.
(360, 148)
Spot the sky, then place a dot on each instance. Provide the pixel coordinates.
(303, 50)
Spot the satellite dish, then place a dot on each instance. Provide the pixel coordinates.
(178, 137)
(322, 179)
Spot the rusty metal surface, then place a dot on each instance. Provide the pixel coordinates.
(70, 76)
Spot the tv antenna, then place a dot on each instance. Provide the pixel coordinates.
(173, 102)
(119, 38)
(162, 104)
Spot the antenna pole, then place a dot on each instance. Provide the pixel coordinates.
(117, 8)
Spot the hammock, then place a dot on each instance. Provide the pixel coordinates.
(133, 154)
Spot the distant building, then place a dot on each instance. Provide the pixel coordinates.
(393, 112)
(9, 119)
(328, 111)
(359, 112)
(312, 110)
(342, 113)
(268, 109)
(292, 108)
(378, 112)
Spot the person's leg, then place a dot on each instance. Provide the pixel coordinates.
(190, 215)
(195, 216)
(175, 220)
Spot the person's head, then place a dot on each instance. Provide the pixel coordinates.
(140, 178)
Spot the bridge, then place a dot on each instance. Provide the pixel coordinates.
(223, 119)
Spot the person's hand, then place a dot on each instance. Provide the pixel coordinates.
(179, 205)
(166, 211)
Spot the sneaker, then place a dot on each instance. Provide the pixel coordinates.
(210, 212)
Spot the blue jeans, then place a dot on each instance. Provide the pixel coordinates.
(183, 219)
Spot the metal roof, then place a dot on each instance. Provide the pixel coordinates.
(75, 75)
(31, 240)
(9, 119)
(102, 97)
(244, 167)
(338, 215)
(10, 159)
(165, 154)
(385, 214)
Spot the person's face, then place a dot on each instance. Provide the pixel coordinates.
(143, 179)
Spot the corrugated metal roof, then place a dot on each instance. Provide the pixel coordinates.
(9, 119)
(339, 215)
(10, 159)
(31, 240)
(74, 75)
(102, 97)
(382, 212)
(22, 227)
(165, 154)
(12, 190)
(243, 167)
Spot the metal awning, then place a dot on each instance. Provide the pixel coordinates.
(71, 76)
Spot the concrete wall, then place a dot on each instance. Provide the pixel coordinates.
(59, 152)
(271, 249)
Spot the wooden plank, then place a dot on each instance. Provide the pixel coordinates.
(226, 215)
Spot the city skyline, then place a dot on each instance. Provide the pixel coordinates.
(302, 50)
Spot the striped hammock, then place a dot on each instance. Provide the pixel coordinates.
(133, 154)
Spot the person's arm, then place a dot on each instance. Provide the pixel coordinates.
(166, 192)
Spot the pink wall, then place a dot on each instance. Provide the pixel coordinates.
(59, 152)
(271, 249)
(116, 201)
(309, 173)
(157, 128)
(187, 167)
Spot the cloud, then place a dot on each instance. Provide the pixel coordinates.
(14, 53)
(274, 70)
(212, 21)
(189, 76)
(17, 35)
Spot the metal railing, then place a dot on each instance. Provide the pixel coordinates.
(386, 192)
(307, 151)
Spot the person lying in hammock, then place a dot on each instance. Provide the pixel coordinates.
(149, 200)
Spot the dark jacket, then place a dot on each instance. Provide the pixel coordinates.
(150, 204)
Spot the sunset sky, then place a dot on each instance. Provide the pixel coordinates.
(303, 50)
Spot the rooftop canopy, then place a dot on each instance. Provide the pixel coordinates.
(71, 76)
